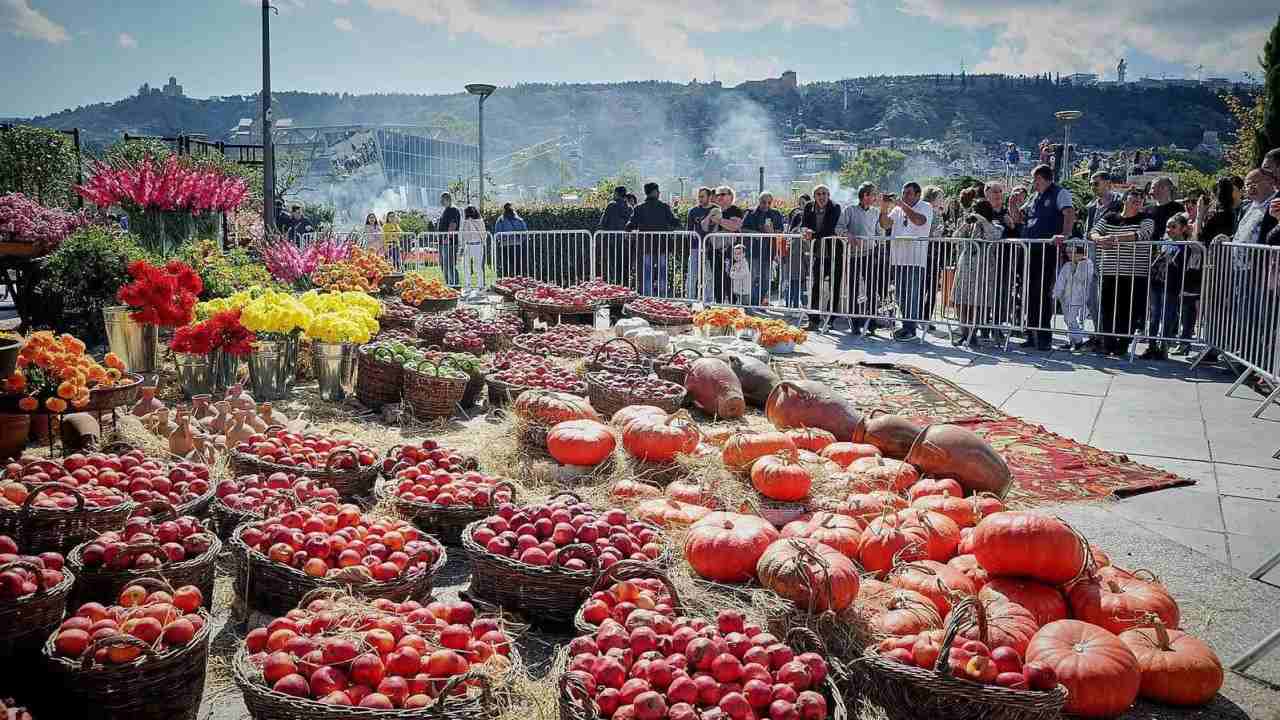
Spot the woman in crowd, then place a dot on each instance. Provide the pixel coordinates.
(472, 236)
(976, 269)
(1220, 218)
(391, 238)
(1125, 259)
(509, 246)
(373, 234)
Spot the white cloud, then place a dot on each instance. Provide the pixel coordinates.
(344, 3)
(1091, 35)
(20, 19)
(127, 41)
(666, 32)
(343, 24)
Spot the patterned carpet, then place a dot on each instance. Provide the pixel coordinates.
(1046, 467)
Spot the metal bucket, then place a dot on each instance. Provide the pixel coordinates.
(195, 374)
(225, 368)
(335, 368)
(270, 370)
(136, 344)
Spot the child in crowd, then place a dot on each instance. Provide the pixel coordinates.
(740, 275)
(1071, 290)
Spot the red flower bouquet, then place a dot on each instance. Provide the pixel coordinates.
(223, 331)
(164, 296)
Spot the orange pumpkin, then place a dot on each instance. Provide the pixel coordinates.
(1045, 602)
(907, 612)
(1119, 602)
(811, 439)
(968, 565)
(878, 473)
(718, 435)
(935, 486)
(942, 535)
(813, 575)
(1023, 543)
(960, 510)
(659, 437)
(1177, 668)
(839, 531)
(868, 506)
(781, 478)
(692, 493)
(997, 622)
(548, 407)
(1100, 672)
(725, 546)
(743, 449)
(884, 543)
(580, 442)
(624, 490)
(668, 513)
(936, 581)
(844, 453)
(631, 412)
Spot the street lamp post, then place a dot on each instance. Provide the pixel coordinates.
(482, 91)
(268, 152)
(1067, 117)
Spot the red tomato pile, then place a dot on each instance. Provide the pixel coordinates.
(162, 620)
(645, 596)
(20, 582)
(179, 539)
(326, 539)
(530, 371)
(310, 451)
(686, 669)
(255, 492)
(970, 660)
(534, 534)
(387, 655)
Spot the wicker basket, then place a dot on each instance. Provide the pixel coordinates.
(624, 570)
(445, 522)
(39, 529)
(103, 585)
(541, 308)
(378, 383)
(596, 364)
(275, 589)
(608, 401)
(225, 519)
(938, 694)
(433, 305)
(160, 685)
(664, 368)
(528, 342)
(27, 621)
(433, 395)
(655, 319)
(350, 483)
(107, 399)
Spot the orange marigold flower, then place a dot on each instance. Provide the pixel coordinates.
(28, 403)
(66, 390)
(17, 381)
(55, 404)
(113, 361)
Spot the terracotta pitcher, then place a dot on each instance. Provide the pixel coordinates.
(160, 424)
(202, 408)
(221, 420)
(148, 403)
(203, 450)
(240, 430)
(182, 441)
(239, 397)
(271, 416)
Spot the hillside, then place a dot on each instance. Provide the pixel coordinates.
(619, 122)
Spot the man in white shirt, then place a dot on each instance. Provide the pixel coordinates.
(909, 223)
(859, 225)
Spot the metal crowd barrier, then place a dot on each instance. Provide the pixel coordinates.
(655, 264)
(560, 257)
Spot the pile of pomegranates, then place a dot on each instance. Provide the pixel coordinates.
(256, 492)
(145, 544)
(19, 582)
(536, 534)
(643, 597)
(106, 480)
(164, 621)
(439, 456)
(530, 371)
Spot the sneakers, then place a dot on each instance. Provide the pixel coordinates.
(904, 335)
(1181, 349)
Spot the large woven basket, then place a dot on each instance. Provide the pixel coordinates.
(275, 589)
(545, 308)
(608, 401)
(597, 363)
(196, 507)
(378, 383)
(226, 519)
(39, 529)
(624, 570)
(103, 585)
(350, 483)
(502, 393)
(655, 319)
(121, 395)
(445, 522)
(534, 344)
(665, 368)
(938, 694)
(433, 395)
(27, 621)
(159, 685)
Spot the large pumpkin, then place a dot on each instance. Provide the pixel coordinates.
(670, 513)
(626, 489)
(934, 486)
(813, 575)
(907, 612)
(878, 473)
(844, 453)
(1177, 668)
(1118, 602)
(580, 442)
(1023, 543)
(812, 404)
(741, 450)
(548, 407)
(839, 531)
(659, 438)
(936, 581)
(1045, 602)
(868, 506)
(960, 510)
(631, 412)
(725, 546)
(715, 388)
(968, 565)
(811, 439)
(884, 543)
(1100, 672)
(996, 623)
(781, 478)
(942, 535)
(692, 493)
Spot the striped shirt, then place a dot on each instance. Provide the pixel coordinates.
(1128, 258)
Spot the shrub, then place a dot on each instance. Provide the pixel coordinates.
(81, 278)
(224, 272)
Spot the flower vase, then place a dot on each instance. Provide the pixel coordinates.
(195, 374)
(270, 372)
(226, 369)
(138, 345)
(148, 403)
(335, 367)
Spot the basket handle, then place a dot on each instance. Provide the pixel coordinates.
(155, 510)
(119, 447)
(493, 496)
(672, 358)
(88, 660)
(31, 496)
(44, 464)
(29, 567)
(317, 593)
(581, 550)
(574, 695)
(634, 570)
(341, 452)
(960, 614)
(486, 690)
(595, 357)
(145, 547)
(151, 584)
(565, 493)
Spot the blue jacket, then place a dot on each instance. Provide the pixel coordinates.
(513, 224)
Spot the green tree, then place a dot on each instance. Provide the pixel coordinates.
(1239, 152)
(38, 163)
(1188, 177)
(881, 166)
(1267, 135)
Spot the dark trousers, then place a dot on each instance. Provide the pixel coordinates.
(937, 261)
(449, 263)
(1190, 314)
(1164, 304)
(719, 275)
(1039, 283)
(1124, 307)
(1008, 261)
(830, 267)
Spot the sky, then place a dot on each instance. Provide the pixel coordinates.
(59, 54)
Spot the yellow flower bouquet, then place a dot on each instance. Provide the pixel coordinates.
(274, 313)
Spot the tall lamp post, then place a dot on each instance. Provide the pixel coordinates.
(268, 153)
(1067, 117)
(482, 91)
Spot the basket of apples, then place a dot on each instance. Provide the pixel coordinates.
(442, 498)
(609, 392)
(159, 544)
(509, 286)
(253, 497)
(674, 366)
(626, 589)
(618, 355)
(44, 514)
(660, 312)
(403, 456)
(943, 675)
(282, 558)
(143, 658)
(514, 372)
(613, 295)
(539, 559)
(33, 598)
(341, 657)
(570, 341)
(344, 465)
(551, 300)
(185, 485)
(727, 669)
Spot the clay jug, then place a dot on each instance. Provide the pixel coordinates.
(148, 403)
(953, 451)
(221, 421)
(240, 430)
(203, 450)
(271, 416)
(239, 397)
(161, 426)
(202, 408)
(181, 441)
(255, 421)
